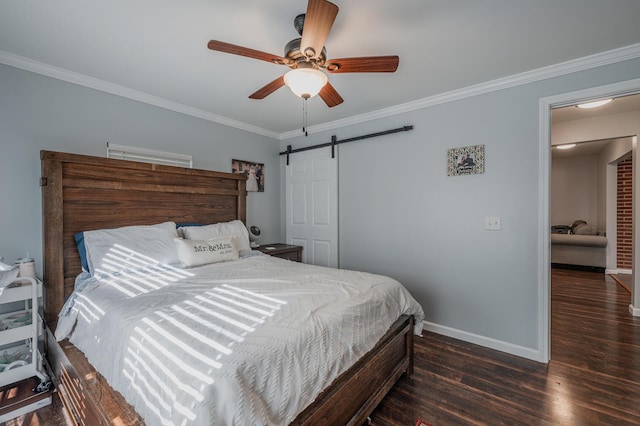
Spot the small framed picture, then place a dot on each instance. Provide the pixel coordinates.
(253, 171)
(468, 160)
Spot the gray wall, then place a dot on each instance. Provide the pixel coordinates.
(575, 190)
(579, 185)
(38, 113)
(400, 214)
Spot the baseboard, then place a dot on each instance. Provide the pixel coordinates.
(634, 311)
(598, 269)
(618, 271)
(488, 342)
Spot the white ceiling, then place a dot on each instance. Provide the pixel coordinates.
(160, 48)
(583, 148)
(620, 105)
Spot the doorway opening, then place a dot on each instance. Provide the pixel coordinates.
(563, 133)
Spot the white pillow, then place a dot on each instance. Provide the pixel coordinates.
(130, 247)
(222, 229)
(202, 252)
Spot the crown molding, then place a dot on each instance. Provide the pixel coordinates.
(563, 68)
(47, 70)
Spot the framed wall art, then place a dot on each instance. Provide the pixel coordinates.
(253, 171)
(468, 160)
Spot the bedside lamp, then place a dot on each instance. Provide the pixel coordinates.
(254, 235)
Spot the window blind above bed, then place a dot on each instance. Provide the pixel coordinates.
(123, 152)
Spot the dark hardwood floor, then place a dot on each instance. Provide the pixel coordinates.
(592, 379)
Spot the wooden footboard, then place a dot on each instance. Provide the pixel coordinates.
(348, 401)
(357, 392)
(85, 394)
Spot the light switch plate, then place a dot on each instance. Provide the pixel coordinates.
(493, 223)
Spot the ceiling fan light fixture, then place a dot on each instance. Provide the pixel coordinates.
(594, 104)
(305, 82)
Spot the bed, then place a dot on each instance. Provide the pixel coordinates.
(82, 193)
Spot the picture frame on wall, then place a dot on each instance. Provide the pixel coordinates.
(254, 172)
(467, 160)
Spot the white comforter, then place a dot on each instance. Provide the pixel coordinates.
(247, 342)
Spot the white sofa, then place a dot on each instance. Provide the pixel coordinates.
(580, 250)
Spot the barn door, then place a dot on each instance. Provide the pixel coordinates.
(312, 205)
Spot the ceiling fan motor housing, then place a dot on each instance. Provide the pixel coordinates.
(298, 23)
(295, 57)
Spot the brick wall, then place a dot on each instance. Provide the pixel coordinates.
(625, 206)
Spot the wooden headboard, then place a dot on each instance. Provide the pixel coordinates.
(82, 193)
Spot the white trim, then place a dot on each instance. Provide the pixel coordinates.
(634, 311)
(611, 215)
(544, 269)
(132, 153)
(618, 271)
(125, 92)
(488, 342)
(544, 239)
(623, 88)
(563, 68)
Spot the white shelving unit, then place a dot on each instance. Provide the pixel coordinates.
(19, 357)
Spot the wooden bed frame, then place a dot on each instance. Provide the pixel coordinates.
(81, 193)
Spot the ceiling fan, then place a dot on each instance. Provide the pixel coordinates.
(306, 56)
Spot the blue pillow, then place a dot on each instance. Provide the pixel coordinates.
(184, 225)
(178, 225)
(82, 250)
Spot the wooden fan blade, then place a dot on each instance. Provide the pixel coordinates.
(363, 64)
(317, 24)
(330, 96)
(221, 46)
(268, 89)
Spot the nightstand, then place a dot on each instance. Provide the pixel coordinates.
(283, 251)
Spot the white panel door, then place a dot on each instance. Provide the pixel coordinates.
(312, 205)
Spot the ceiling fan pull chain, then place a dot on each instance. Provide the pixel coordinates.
(304, 116)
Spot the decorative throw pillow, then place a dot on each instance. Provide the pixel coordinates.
(575, 224)
(222, 229)
(584, 229)
(202, 252)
